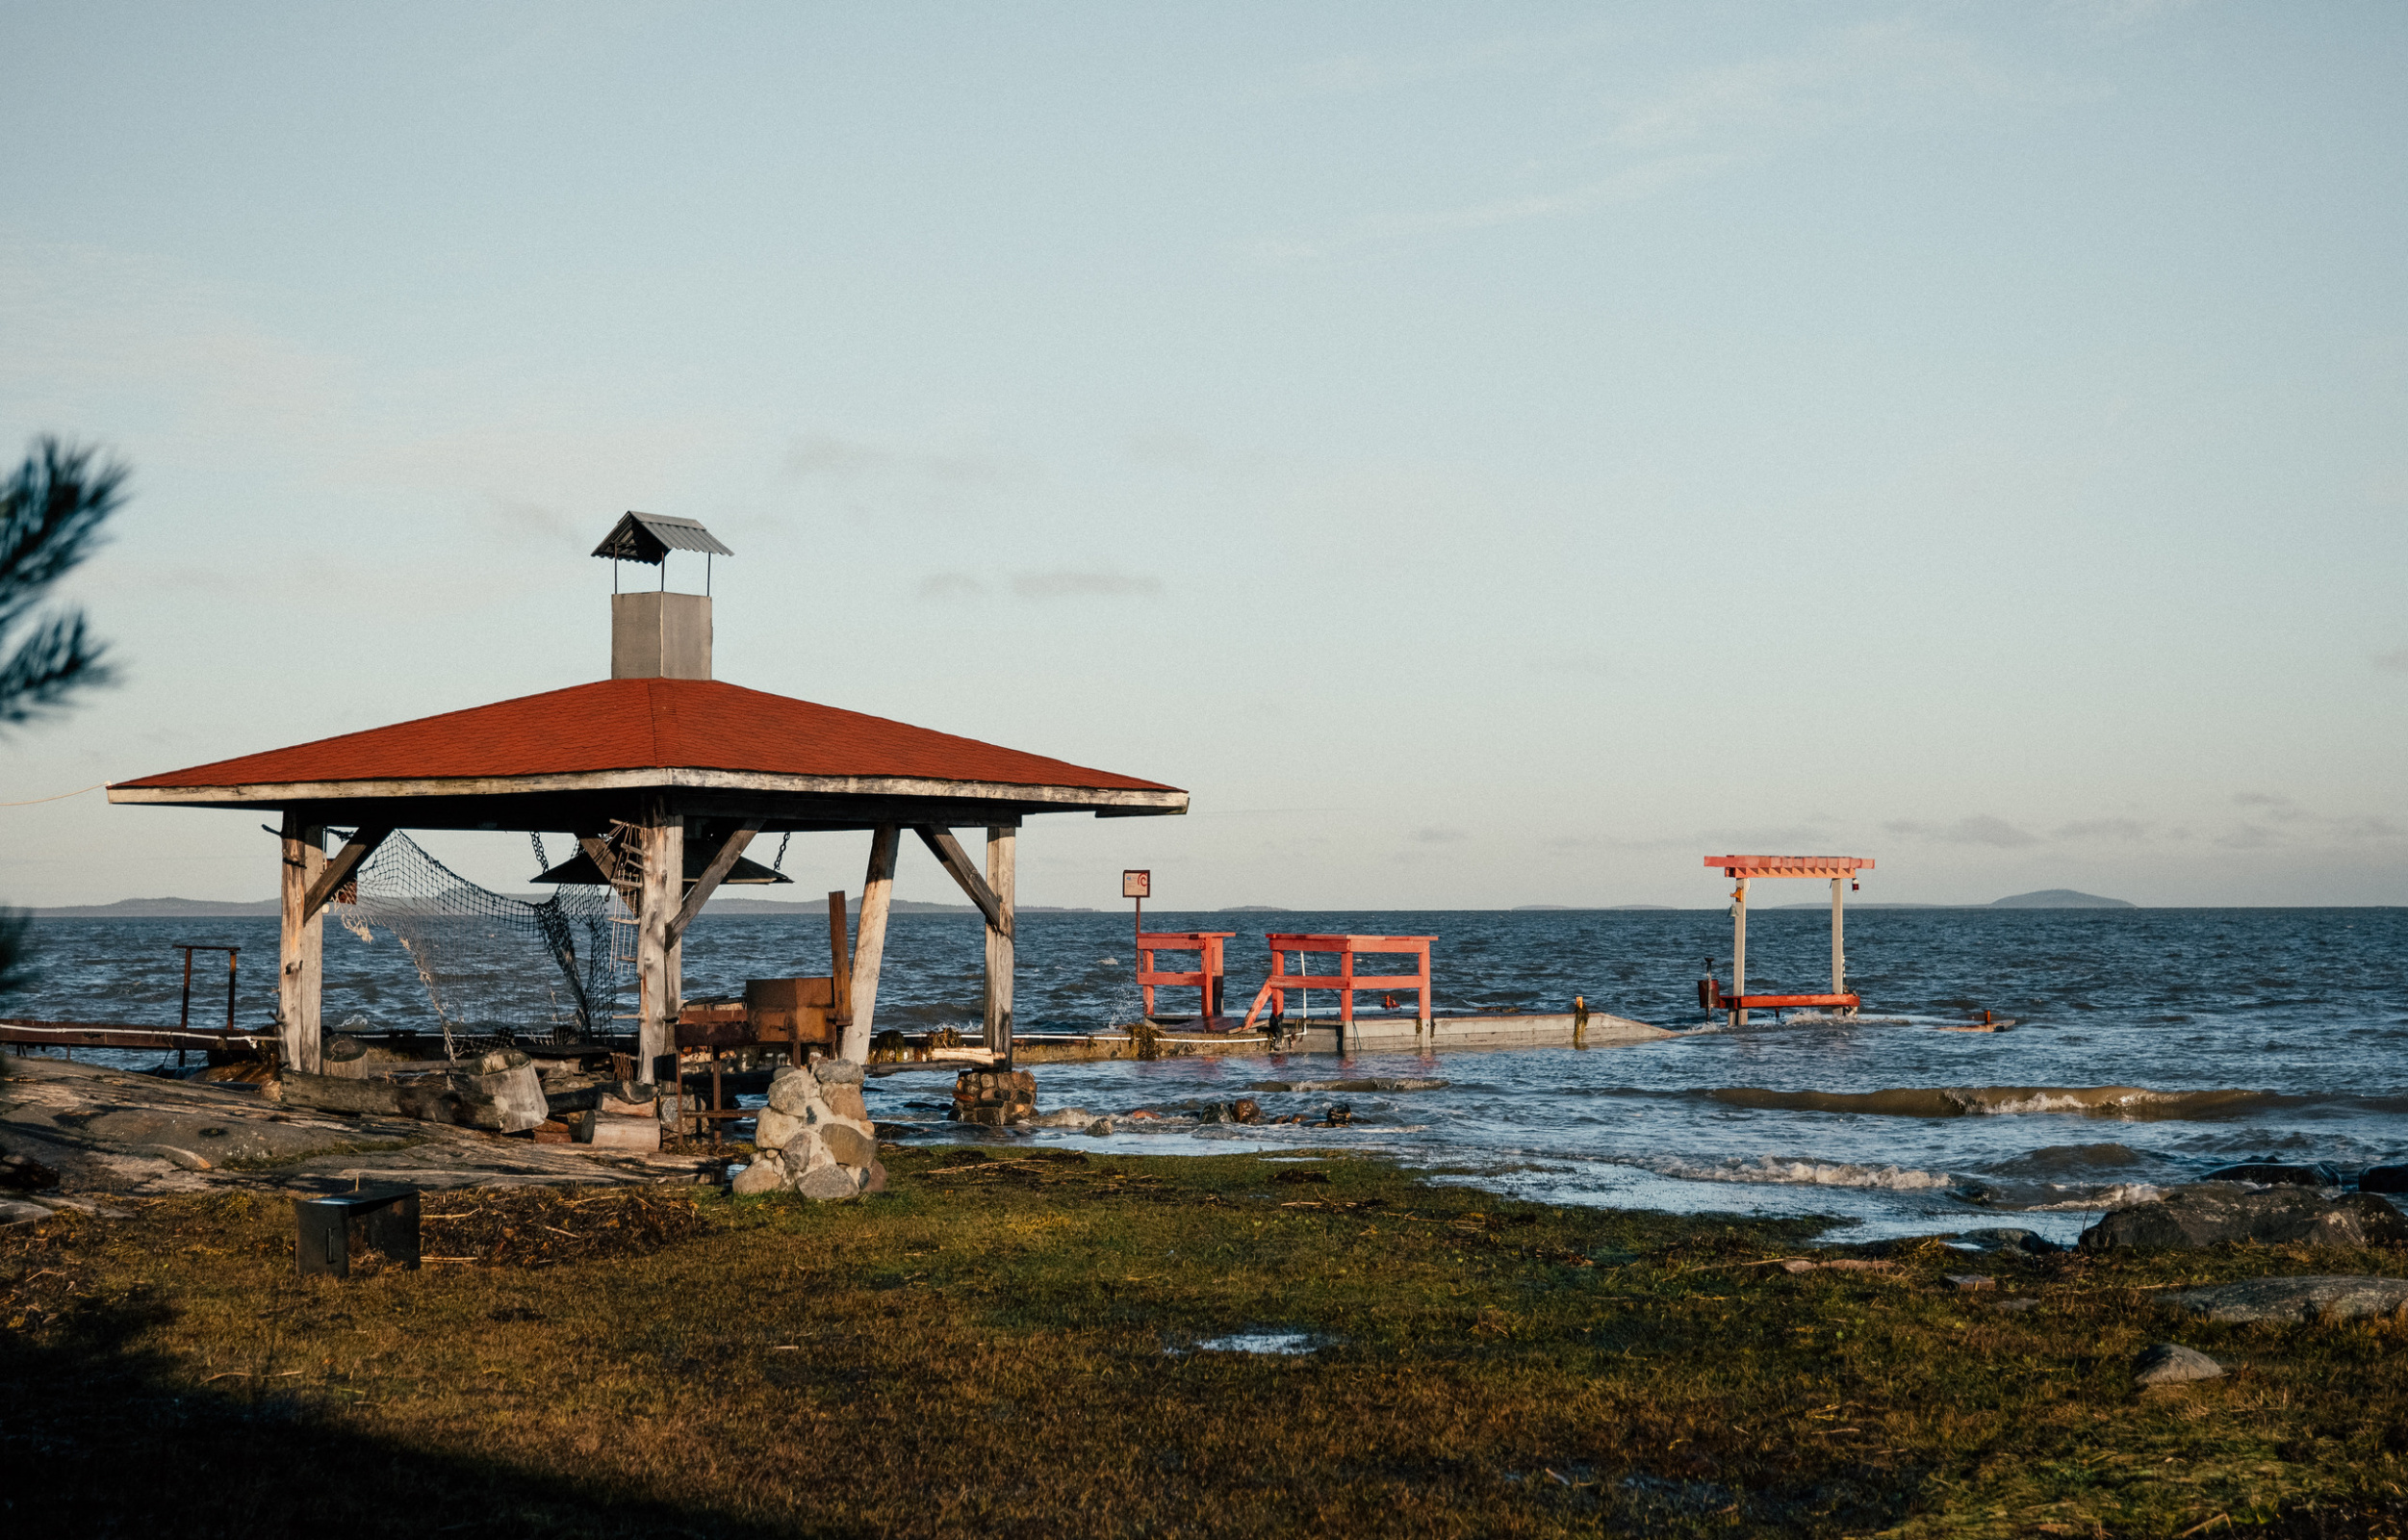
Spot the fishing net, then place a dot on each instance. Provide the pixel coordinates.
(482, 955)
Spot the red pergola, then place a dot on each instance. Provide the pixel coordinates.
(1841, 870)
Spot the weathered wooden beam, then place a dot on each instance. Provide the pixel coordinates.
(839, 957)
(1125, 801)
(662, 844)
(954, 859)
(869, 948)
(1002, 862)
(301, 946)
(339, 870)
(721, 864)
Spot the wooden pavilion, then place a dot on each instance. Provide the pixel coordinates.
(679, 759)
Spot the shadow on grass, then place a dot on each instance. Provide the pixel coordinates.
(98, 1439)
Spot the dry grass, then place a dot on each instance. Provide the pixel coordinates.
(1004, 1345)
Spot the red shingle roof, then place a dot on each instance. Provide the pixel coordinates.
(645, 724)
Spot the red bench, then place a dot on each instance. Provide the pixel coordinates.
(1346, 981)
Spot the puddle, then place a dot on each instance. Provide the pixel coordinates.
(1259, 1341)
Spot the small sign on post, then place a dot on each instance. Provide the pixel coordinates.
(1138, 886)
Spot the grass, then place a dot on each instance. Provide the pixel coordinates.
(1004, 1345)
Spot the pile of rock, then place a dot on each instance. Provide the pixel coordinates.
(815, 1136)
(993, 1097)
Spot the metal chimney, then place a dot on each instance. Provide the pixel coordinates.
(657, 635)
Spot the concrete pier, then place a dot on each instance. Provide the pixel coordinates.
(1366, 1034)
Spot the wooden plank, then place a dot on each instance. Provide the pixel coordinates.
(344, 866)
(663, 847)
(606, 861)
(1790, 865)
(839, 956)
(1002, 867)
(301, 946)
(876, 894)
(721, 864)
(955, 860)
(122, 1035)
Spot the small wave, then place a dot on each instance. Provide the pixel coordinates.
(2060, 1196)
(1772, 1169)
(1999, 1101)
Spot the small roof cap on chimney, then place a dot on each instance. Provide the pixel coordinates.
(650, 537)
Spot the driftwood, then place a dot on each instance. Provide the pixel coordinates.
(505, 1103)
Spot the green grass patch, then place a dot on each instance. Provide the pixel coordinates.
(1006, 1343)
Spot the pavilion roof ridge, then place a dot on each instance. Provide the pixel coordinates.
(645, 725)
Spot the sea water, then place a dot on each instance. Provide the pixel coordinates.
(2152, 1045)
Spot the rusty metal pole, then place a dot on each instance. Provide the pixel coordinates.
(184, 1020)
(1740, 952)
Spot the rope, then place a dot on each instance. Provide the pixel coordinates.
(61, 797)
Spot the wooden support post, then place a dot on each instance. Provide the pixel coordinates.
(301, 947)
(840, 956)
(1840, 955)
(1002, 858)
(877, 892)
(658, 958)
(1739, 950)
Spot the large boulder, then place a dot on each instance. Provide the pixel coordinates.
(848, 1145)
(2276, 1173)
(2212, 1211)
(761, 1176)
(2383, 1179)
(2312, 1298)
(833, 1184)
(2169, 1363)
(791, 1088)
(775, 1129)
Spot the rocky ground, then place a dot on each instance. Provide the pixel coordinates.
(114, 1133)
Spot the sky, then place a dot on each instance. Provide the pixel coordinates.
(1488, 455)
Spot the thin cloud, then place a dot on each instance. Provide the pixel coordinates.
(2129, 830)
(826, 457)
(1440, 836)
(1700, 124)
(1979, 828)
(1042, 585)
(1083, 585)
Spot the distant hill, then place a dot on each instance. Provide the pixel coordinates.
(160, 908)
(187, 908)
(901, 906)
(2060, 898)
(1253, 909)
